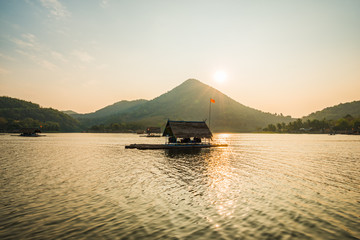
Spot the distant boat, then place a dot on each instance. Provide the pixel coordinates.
(30, 132)
(183, 135)
(153, 132)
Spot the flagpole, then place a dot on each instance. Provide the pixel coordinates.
(209, 112)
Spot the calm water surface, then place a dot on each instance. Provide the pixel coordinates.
(263, 186)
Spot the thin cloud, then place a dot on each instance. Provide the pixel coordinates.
(28, 55)
(56, 8)
(8, 58)
(29, 47)
(83, 56)
(29, 37)
(104, 3)
(27, 41)
(58, 56)
(40, 61)
(22, 44)
(48, 65)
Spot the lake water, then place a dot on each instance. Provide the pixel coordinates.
(263, 186)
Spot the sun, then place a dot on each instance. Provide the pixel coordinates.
(220, 76)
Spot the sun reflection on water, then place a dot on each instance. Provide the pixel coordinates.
(222, 138)
(220, 182)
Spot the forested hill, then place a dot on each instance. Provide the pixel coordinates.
(104, 115)
(190, 101)
(115, 108)
(16, 114)
(337, 112)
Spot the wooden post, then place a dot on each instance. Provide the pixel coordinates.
(209, 112)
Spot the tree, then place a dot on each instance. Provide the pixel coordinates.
(356, 125)
(272, 127)
(51, 126)
(342, 125)
(3, 122)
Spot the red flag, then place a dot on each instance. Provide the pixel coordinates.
(212, 100)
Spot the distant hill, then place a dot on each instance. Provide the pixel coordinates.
(109, 112)
(70, 112)
(113, 109)
(337, 112)
(190, 101)
(16, 114)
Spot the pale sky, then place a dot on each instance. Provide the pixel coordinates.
(282, 56)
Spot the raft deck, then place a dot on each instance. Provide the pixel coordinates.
(173, 146)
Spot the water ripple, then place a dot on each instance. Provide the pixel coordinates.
(87, 186)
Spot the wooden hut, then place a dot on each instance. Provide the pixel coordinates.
(187, 132)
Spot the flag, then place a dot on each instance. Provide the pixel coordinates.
(212, 100)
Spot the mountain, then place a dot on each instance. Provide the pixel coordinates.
(115, 108)
(337, 111)
(16, 114)
(190, 101)
(109, 112)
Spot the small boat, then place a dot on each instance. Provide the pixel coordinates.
(152, 132)
(30, 132)
(182, 135)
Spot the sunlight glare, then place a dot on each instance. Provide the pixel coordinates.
(220, 76)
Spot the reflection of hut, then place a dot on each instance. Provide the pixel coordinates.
(153, 132)
(29, 132)
(187, 132)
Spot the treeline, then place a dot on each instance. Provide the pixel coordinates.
(10, 125)
(16, 114)
(347, 124)
(117, 127)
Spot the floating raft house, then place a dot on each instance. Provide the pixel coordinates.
(183, 135)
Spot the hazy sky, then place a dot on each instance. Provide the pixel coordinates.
(281, 56)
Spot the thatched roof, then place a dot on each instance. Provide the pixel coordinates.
(187, 129)
(153, 130)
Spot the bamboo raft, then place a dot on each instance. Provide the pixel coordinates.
(172, 146)
(182, 135)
